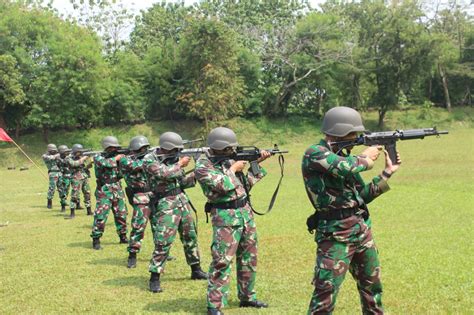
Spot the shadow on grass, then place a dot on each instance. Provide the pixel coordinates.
(181, 305)
(140, 282)
(88, 244)
(115, 261)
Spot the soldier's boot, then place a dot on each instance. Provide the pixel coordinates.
(79, 207)
(50, 204)
(72, 215)
(155, 282)
(89, 211)
(256, 304)
(63, 208)
(132, 260)
(214, 311)
(123, 239)
(96, 243)
(197, 273)
(169, 258)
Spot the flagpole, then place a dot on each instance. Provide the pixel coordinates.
(42, 173)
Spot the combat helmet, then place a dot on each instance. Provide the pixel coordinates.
(77, 148)
(171, 140)
(221, 137)
(340, 121)
(110, 141)
(52, 148)
(63, 148)
(138, 142)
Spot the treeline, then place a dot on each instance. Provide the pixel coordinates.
(220, 59)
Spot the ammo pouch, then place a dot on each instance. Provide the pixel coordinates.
(335, 214)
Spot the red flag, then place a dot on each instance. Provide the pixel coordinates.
(4, 136)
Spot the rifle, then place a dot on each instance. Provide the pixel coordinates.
(190, 142)
(89, 152)
(193, 152)
(389, 139)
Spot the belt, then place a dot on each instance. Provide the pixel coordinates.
(336, 214)
(239, 203)
(172, 192)
(53, 171)
(140, 190)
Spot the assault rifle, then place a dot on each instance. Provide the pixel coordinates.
(389, 139)
(190, 142)
(192, 152)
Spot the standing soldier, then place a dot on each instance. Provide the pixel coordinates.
(343, 226)
(78, 164)
(138, 193)
(234, 228)
(109, 193)
(172, 209)
(65, 179)
(51, 159)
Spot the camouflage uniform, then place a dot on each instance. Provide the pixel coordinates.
(52, 163)
(333, 183)
(64, 181)
(234, 231)
(79, 180)
(133, 170)
(171, 213)
(109, 194)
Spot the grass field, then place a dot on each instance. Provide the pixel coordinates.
(423, 228)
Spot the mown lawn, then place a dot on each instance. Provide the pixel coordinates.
(423, 228)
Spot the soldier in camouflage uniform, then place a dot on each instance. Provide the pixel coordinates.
(64, 181)
(172, 208)
(138, 192)
(234, 228)
(78, 164)
(109, 193)
(51, 159)
(343, 226)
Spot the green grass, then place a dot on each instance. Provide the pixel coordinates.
(423, 228)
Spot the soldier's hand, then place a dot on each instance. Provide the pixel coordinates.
(391, 168)
(263, 156)
(184, 161)
(85, 157)
(119, 156)
(238, 166)
(372, 152)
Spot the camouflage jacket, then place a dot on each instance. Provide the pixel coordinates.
(52, 162)
(64, 166)
(219, 184)
(334, 181)
(165, 176)
(77, 168)
(134, 173)
(106, 170)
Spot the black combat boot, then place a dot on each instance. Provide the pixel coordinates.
(79, 207)
(197, 273)
(256, 304)
(72, 215)
(63, 208)
(155, 283)
(96, 243)
(214, 311)
(50, 204)
(123, 239)
(132, 260)
(89, 211)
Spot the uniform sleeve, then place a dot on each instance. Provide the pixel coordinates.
(50, 157)
(324, 161)
(188, 181)
(163, 171)
(252, 179)
(104, 162)
(74, 163)
(213, 179)
(129, 165)
(372, 190)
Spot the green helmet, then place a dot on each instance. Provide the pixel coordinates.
(340, 121)
(220, 138)
(138, 142)
(110, 141)
(62, 148)
(52, 148)
(171, 140)
(77, 148)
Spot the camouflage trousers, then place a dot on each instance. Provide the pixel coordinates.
(53, 184)
(64, 183)
(140, 218)
(109, 196)
(167, 222)
(76, 186)
(346, 245)
(228, 242)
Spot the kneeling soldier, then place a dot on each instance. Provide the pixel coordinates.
(172, 209)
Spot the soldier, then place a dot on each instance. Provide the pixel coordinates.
(138, 192)
(51, 159)
(234, 228)
(64, 181)
(172, 209)
(78, 164)
(343, 227)
(109, 193)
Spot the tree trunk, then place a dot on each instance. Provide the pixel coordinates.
(382, 112)
(430, 88)
(46, 134)
(3, 123)
(444, 80)
(206, 123)
(17, 129)
(356, 97)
